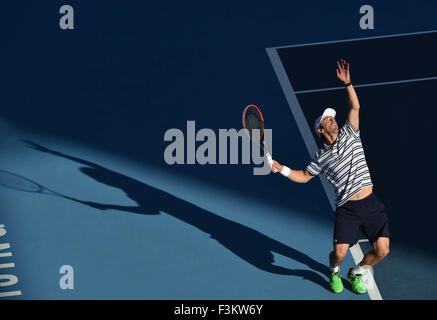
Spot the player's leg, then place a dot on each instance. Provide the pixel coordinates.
(346, 231)
(375, 226)
(381, 248)
(376, 229)
(336, 257)
(371, 258)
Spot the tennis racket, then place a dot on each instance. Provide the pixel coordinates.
(14, 181)
(254, 120)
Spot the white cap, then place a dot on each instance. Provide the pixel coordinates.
(328, 112)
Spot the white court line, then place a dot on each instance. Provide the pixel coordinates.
(356, 39)
(363, 240)
(368, 279)
(299, 117)
(368, 85)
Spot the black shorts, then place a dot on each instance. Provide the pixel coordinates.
(366, 214)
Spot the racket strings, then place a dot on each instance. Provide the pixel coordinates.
(10, 180)
(254, 124)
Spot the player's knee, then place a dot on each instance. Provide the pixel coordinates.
(340, 253)
(382, 252)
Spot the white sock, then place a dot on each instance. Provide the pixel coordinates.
(358, 269)
(334, 269)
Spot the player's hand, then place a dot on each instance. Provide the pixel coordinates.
(276, 166)
(343, 73)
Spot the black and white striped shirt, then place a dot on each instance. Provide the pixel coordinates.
(343, 163)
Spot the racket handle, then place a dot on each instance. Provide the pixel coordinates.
(270, 161)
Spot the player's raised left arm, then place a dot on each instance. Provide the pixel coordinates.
(343, 74)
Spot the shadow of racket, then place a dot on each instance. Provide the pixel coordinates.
(16, 182)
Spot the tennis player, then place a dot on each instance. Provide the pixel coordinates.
(343, 163)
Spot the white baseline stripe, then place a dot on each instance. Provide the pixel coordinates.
(356, 39)
(369, 281)
(363, 240)
(367, 85)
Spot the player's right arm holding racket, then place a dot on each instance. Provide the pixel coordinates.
(299, 176)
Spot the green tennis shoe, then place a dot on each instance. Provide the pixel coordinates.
(356, 282)
(335, 282)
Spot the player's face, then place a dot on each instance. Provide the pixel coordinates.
(329, 124)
